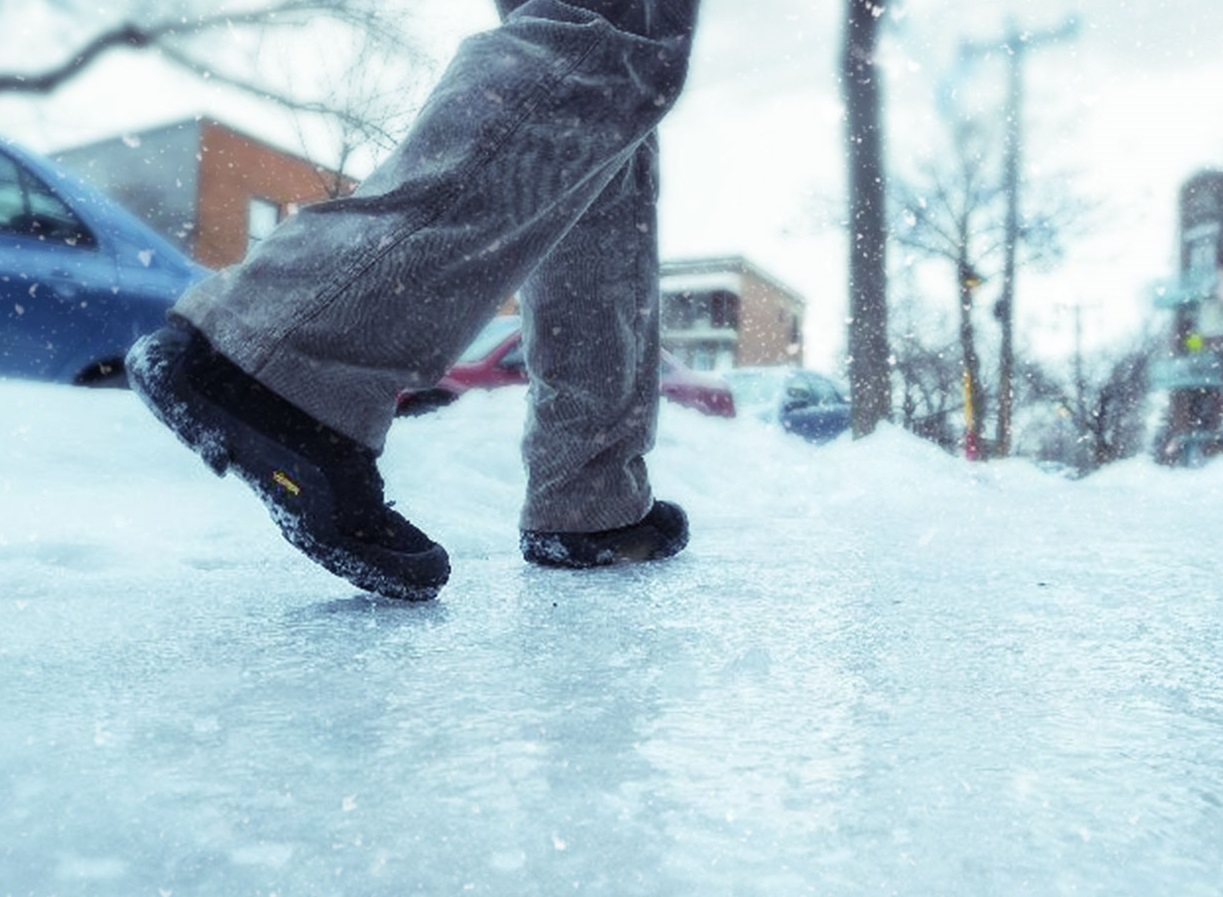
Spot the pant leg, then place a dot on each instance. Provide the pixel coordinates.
(350, 301)
(590, 327)
(590, 331)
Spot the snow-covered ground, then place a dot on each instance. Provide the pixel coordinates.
(877, 670)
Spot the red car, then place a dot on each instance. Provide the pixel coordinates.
(495, 359)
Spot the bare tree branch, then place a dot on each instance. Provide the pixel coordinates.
(134, 36)
(361, 83)
(127, 35)
(312, 107)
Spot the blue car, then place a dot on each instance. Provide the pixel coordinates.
(80, 277)
(799, 401)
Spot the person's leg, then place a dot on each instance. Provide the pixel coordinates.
(590, 323)
(591, 338)
(350, 301)
(590, 330)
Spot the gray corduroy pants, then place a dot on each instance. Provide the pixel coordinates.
(532, 167)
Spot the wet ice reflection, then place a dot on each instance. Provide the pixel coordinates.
(878, 673)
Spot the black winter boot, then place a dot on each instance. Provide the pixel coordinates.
(321, 488)
(663, 532)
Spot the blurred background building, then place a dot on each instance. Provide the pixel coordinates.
(725, 312)
(209, 188)
(1191, 370)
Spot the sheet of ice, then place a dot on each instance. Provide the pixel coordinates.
(877, 670)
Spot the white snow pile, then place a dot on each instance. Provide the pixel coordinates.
(878, 669)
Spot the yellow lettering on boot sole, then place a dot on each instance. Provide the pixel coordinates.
(282, 480)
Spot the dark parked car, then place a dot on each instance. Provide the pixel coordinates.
(495, 358)
(799, 401)
(80, 277)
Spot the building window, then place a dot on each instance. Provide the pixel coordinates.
(1202, 248)
(701, 311)
(262, 218)
(724, 311)
(682, 311)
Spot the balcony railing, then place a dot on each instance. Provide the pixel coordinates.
(700, 333)
(1189, 289)
(1201, 370)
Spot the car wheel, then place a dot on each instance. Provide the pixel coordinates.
(423, 402)
(103, 374)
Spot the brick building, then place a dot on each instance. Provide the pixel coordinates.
(725, 312)
(1192, 368)
(209, 188)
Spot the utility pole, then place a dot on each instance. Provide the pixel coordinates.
(1084, 432)
(1080, 382)
(1016, 43)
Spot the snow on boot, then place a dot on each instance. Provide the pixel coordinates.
(322, 489)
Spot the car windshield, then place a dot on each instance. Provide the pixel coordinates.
(752, 388)
(493, 334)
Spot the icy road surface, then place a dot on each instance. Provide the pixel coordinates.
(878, 670)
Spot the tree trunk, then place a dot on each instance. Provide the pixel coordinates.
(869, 370)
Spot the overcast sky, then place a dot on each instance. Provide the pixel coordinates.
(752, 155)
(1130, 106)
